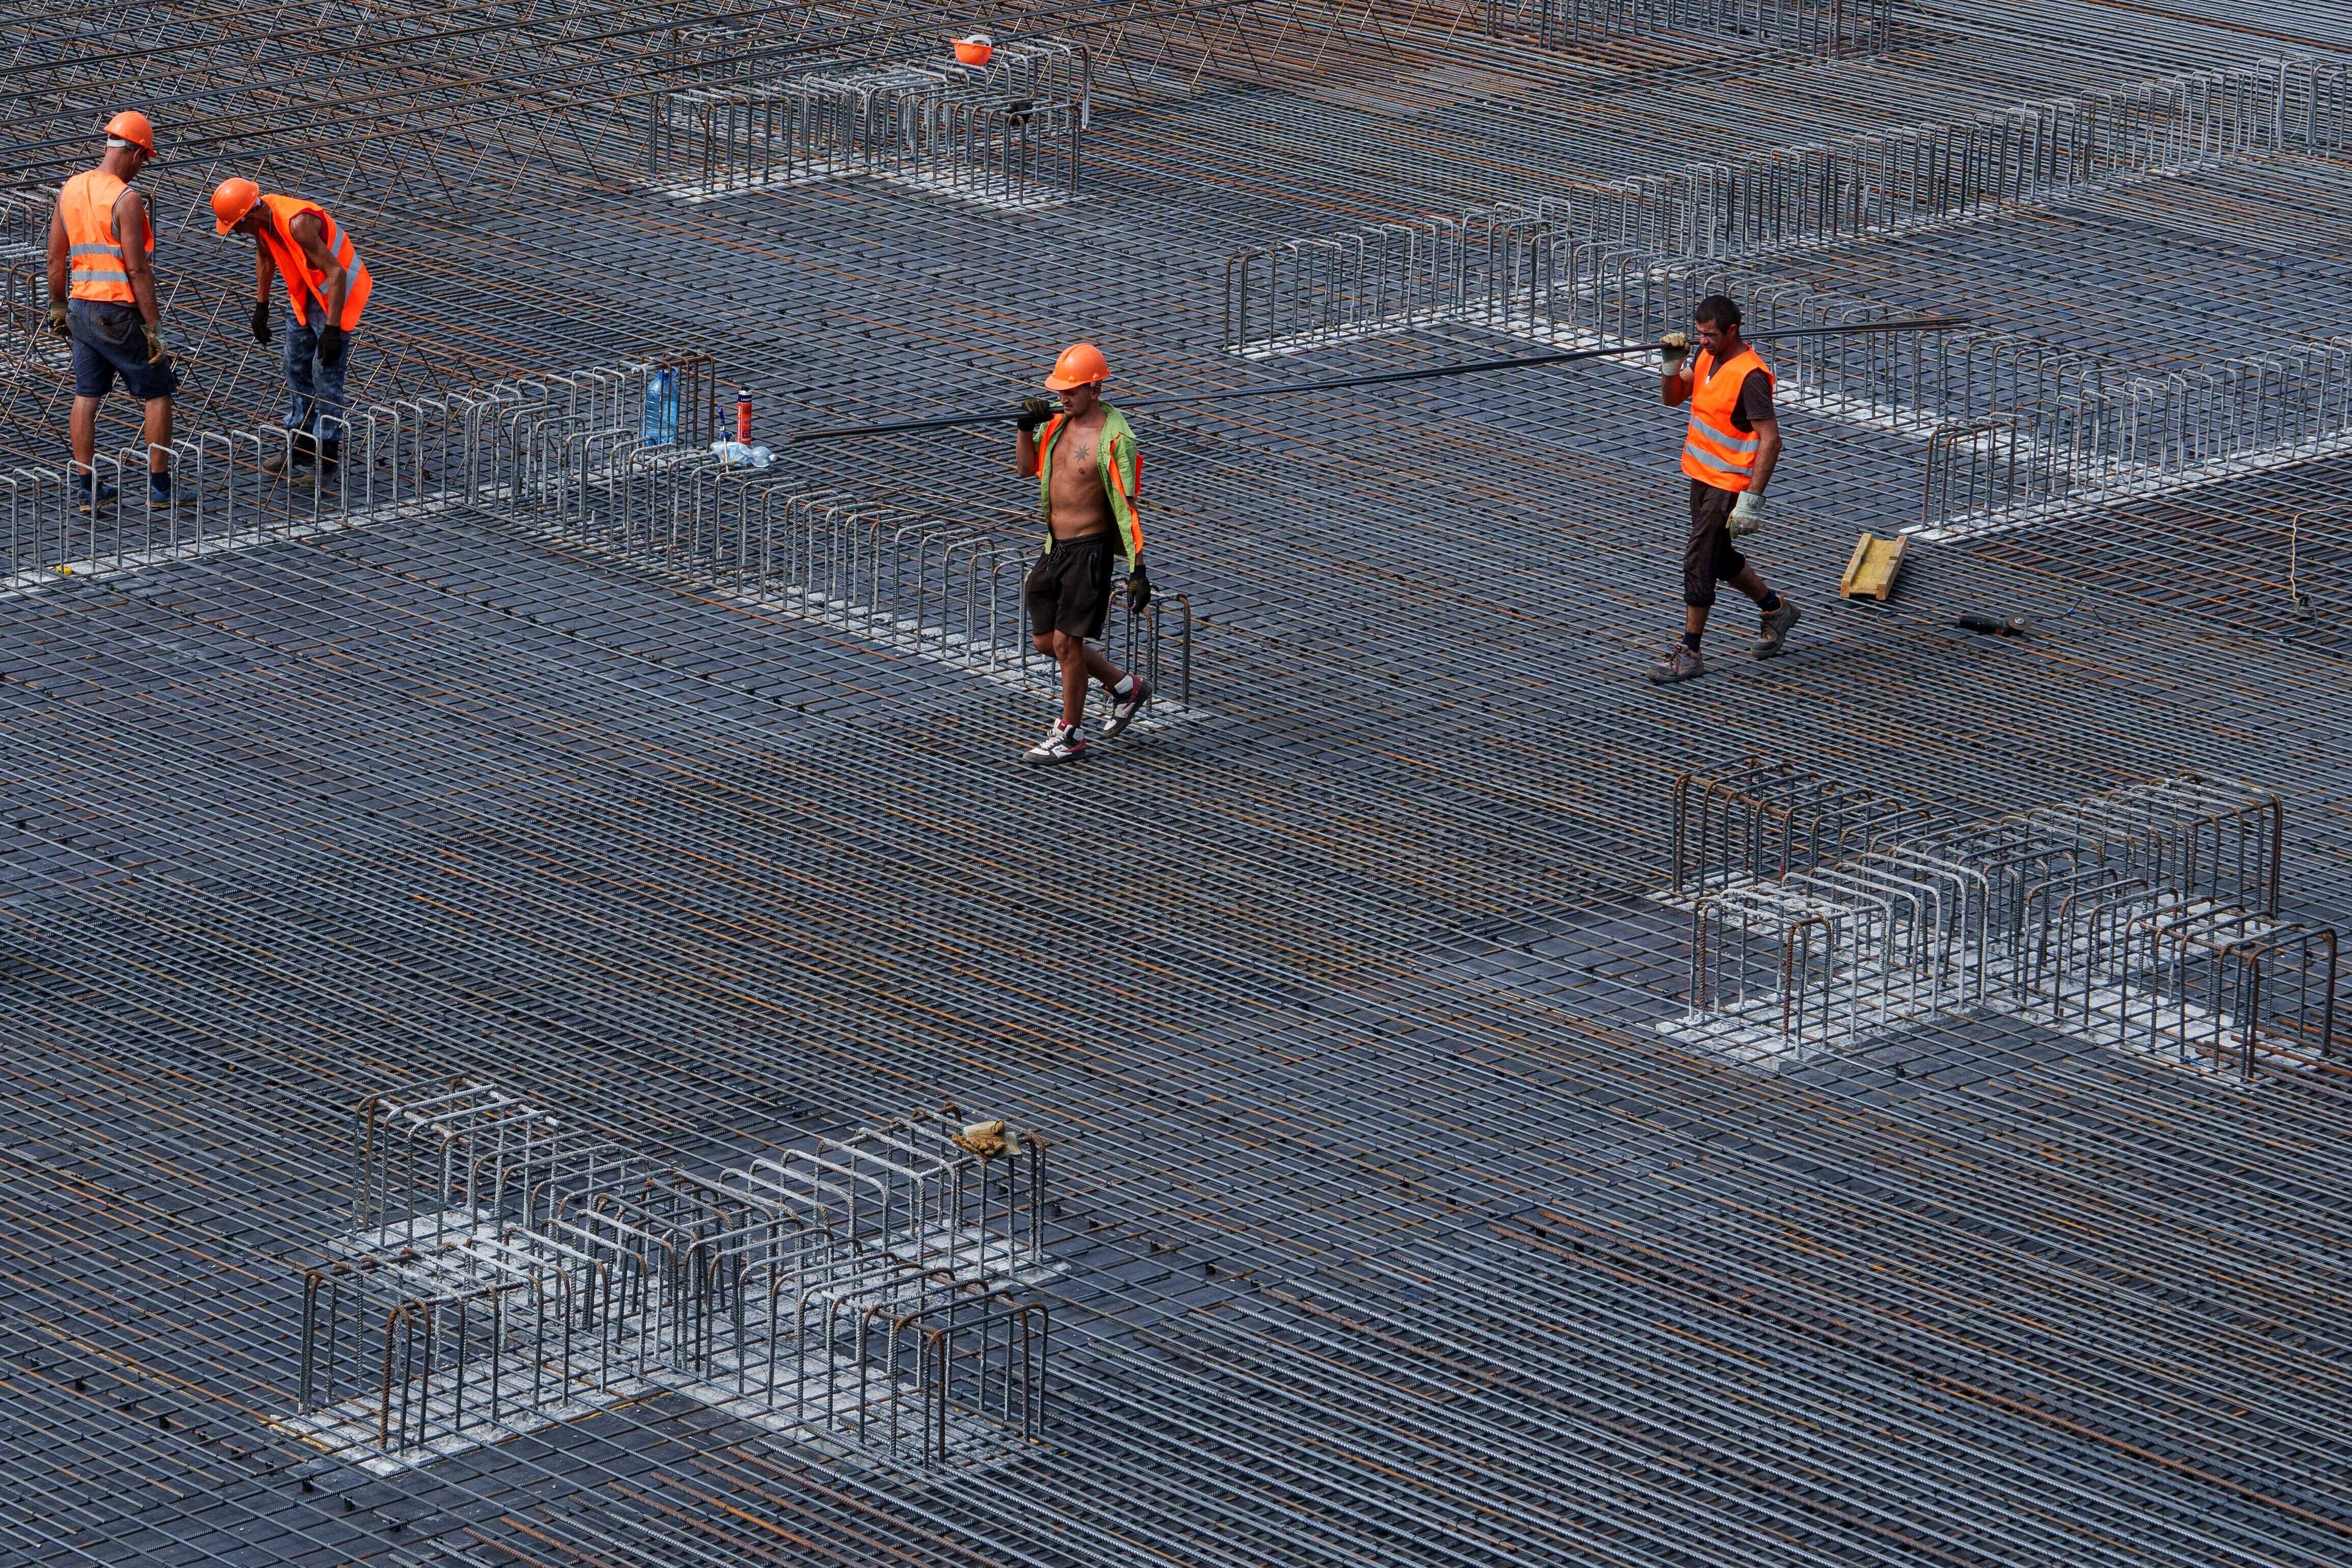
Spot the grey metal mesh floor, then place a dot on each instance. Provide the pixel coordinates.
(1393, 1231)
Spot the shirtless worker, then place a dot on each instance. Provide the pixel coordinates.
(1729, 452)
(1087, 468)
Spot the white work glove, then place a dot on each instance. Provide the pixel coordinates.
(1747, 515)
(1673, 349)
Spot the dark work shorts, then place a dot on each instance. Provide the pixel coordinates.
(108, 342)
(1710, 557)
(1069, 588)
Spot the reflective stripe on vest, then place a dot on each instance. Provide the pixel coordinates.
(99, 269)
(293, 265)
(1713, 452)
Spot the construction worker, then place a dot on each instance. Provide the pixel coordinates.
(1729, 453)
(102, 297)
(1088, 470)
(327, 286)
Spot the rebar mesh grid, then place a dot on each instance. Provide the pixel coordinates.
(1393, 1232)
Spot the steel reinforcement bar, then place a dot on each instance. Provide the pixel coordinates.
(1476, 266)
(1824, 28)
(1009, 129)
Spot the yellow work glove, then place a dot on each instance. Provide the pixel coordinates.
(157, 352)
(58, 318)
(1675, 348)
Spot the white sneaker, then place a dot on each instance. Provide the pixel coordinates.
(1063, 743)
(1123, 709)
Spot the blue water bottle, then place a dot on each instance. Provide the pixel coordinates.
(661, 408)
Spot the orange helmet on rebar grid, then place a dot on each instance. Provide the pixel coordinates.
(1081, 364)
(232, 199)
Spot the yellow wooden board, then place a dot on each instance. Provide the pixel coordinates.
(1871, 572)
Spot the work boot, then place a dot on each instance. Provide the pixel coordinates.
(159, 490)
(300, 454)
(1682, 664)
(1776, 628)
(1123, 709)
(83, 500)
(1063, 743)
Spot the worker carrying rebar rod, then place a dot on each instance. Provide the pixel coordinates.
(1088, 471)
(102, 297)
(327, 288)
(1729, 452)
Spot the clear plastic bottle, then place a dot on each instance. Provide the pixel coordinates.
(661, 408)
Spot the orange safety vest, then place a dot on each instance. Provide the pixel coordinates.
(98, 267)
(1714, 451)
(293, 264)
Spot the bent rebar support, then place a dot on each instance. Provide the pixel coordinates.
(2145, 918)
(508, 1270)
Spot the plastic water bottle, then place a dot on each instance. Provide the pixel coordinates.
(661, 408)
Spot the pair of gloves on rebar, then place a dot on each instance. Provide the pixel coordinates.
(1034, 412)
(330, 341)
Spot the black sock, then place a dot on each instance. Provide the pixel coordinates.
(1690, 641)
(1769, 603)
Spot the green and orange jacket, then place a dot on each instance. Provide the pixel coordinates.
(1122, 471)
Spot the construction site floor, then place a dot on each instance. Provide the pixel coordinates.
(1390, 1227)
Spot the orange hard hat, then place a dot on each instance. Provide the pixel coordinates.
(1081, 364)
(131, 126)
(232, 199)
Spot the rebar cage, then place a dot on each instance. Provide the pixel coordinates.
(2145, 918)
(506, 1270)
(1011, 130)
(1826, 28)
(617, 459)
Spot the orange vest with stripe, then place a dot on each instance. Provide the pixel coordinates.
(292, 264)
(95, 261)
(1714, 450)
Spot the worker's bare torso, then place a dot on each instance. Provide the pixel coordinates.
(1080, 507)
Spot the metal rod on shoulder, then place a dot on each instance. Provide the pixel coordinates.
(1378, 378)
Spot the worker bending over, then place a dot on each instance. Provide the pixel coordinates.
(1729, 452)
(327, 286)
(1088, 470)
(102, 297)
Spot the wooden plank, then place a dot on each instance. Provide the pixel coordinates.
(1871, 572)
(1854, 567)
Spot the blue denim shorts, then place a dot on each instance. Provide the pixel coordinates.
(108, 342)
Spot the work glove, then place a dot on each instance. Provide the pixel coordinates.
(1675, 348)
(262, 323)
(157, 352)
(331, 346)
(58, 318)
(1747, 515)
(1139, 587)
(1034, 413)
